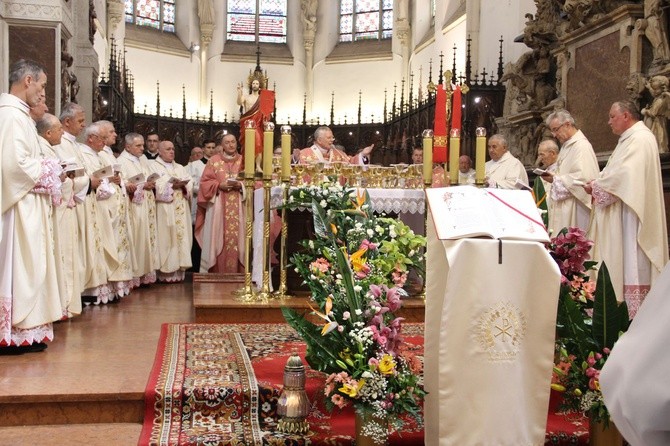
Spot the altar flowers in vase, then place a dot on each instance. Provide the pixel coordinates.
(355, 269)
(589, 322)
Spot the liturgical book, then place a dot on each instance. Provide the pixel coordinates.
(466, 211)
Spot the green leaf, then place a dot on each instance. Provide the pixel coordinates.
(320, 220)
(609, 317)
(319, 347)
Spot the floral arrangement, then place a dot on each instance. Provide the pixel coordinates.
(356, 268)
(589, 322)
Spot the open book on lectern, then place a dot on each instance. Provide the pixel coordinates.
(466, 211)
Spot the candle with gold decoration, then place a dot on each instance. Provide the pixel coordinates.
(249, 148)
(268, 141)
(285, 152)
(427, 156)
(480, 155)
(454, 154)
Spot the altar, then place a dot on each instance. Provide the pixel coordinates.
(408, 204)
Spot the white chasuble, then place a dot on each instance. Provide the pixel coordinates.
(173, 221)
(634, 376)
(489, 341)
(504, 172)
(29, 296)
(141, 210)
(66, 243)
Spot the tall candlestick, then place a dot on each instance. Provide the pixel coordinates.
(268, 141)
(454, 154)
(249, 148)
(285, 152)
(427, 156)
(480, 155)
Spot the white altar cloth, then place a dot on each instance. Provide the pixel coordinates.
(409, 204)
(489, 341)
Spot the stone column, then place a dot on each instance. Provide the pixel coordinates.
(206, 17)
(403, 32)
(308, 15)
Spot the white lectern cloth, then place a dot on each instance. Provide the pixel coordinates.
(489, 341)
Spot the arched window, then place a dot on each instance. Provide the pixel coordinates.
(158, 14)
(257, 21)
(366, 20)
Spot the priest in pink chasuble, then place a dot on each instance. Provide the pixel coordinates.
(219, 225)
(628, 224)
(29, 300)
(324, 151)
(173, 215)
(141, 208)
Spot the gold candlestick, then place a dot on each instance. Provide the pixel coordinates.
(282, 292)
(265, 293)
(246, 293)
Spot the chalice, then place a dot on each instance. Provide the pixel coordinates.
(299, 171)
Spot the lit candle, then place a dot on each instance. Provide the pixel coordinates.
(285, 152)
(268, 141)
(454, 153)
(427, 156)
(249, 148)
(480, 155)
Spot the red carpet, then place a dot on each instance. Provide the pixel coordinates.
(219, 384)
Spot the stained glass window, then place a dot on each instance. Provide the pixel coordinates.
(366, 20)
(157, 14)
(257, 21)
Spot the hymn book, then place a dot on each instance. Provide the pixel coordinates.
(104, 172)
(139, 178)
(153, 177)
(466, 211)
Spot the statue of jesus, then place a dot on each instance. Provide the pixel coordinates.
(248, 101)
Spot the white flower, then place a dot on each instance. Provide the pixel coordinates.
(366, 375)
(358, 288)
(379, 229)
(323, 203)
(411, 253)
(370, 232)
(346, 315)
(311, 244)
(358, 311)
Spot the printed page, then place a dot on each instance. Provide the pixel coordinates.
(515, 215)
(459, 212)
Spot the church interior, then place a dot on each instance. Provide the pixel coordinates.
(367, 69)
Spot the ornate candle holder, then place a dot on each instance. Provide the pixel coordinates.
(282, 292)
(265, 293)
(293, 405)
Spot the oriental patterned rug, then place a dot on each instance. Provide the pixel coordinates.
(218, 384)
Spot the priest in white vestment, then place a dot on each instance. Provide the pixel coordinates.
(570, 205)
(628, 224)
(29, 300)
(632, 380)
(466, 174)
(101, 256)
(141, 207)
(503, 169)
(173, 215)
(73, 120)
(65, 227)
(115, 209)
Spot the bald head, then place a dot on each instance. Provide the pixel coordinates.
(50, 128)
(547, 153)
